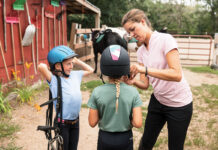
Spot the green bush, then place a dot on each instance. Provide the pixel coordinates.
(4, 105)
(24, 94)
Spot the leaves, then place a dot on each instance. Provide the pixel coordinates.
(24, 94)
(177, 17)
(4, 105)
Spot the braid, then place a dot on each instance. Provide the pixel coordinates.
(117, 82)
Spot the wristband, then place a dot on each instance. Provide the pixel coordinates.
(146, 71)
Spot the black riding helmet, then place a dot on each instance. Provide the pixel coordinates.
(115, 61)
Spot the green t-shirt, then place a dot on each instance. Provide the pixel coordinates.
(103, 99)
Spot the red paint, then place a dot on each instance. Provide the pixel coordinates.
(42, 53)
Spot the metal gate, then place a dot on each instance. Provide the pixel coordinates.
(194, 49)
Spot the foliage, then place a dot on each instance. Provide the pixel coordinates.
(4, 105)
(87, 21)
(7, 128)
(212, 6)
(24, 94)
(177, 17)
(89, 86)
(11, 146)
(84, 106)
(112, 11)
(204, 69)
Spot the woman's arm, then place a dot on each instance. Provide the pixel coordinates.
(93, 117)
(137, 117)
(142, 83)
(173, 73)
(87, 69)
(43, 69)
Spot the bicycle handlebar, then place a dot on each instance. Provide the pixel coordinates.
(46, 128)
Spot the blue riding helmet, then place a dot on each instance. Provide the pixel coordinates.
(59, 54)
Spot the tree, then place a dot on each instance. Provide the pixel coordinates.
(177, 17)
(212, 6)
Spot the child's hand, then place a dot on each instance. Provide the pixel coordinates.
(75, 60)
(128, 80)
(135, 69)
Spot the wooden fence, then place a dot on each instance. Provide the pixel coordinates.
(82, 46)
(194, 50)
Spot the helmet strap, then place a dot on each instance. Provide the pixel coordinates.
(64, 74)
(101, 77)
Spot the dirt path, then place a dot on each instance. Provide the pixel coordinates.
(196, 79)
(28, 118)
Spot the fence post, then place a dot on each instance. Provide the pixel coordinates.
(73, 35)
(216, 49)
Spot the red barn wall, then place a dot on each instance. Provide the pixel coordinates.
(42, 52)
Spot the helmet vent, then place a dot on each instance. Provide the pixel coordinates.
(115, 52)
(63, 51)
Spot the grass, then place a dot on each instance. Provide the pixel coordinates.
(202, 132)
(89, 86)
(199, 141)
(203, 69)
(211, 123)
(11, 146)
(84, 106)
(4, 104)
(208, 93)
(7, 128)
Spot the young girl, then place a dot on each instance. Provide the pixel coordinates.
(61, 60)
(115, 106)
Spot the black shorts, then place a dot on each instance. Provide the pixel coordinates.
(115, 140)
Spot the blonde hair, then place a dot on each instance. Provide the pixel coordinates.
(117, 82)
(135, 15)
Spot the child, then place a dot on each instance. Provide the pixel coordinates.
(115, 106)
(61, 60)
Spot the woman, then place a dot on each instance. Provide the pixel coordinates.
(159, 65)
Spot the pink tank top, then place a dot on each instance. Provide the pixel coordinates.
(169, 93)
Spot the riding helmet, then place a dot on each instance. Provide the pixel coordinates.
(115, 61)
(58, 54)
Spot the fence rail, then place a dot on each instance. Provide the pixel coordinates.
(193, 49)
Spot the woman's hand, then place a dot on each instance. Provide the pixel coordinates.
(135, 69)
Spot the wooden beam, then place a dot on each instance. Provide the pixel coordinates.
(79, 31)
(84, 58)
(88, 5)
(73, 35)
(81, 45)
(97, 20)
